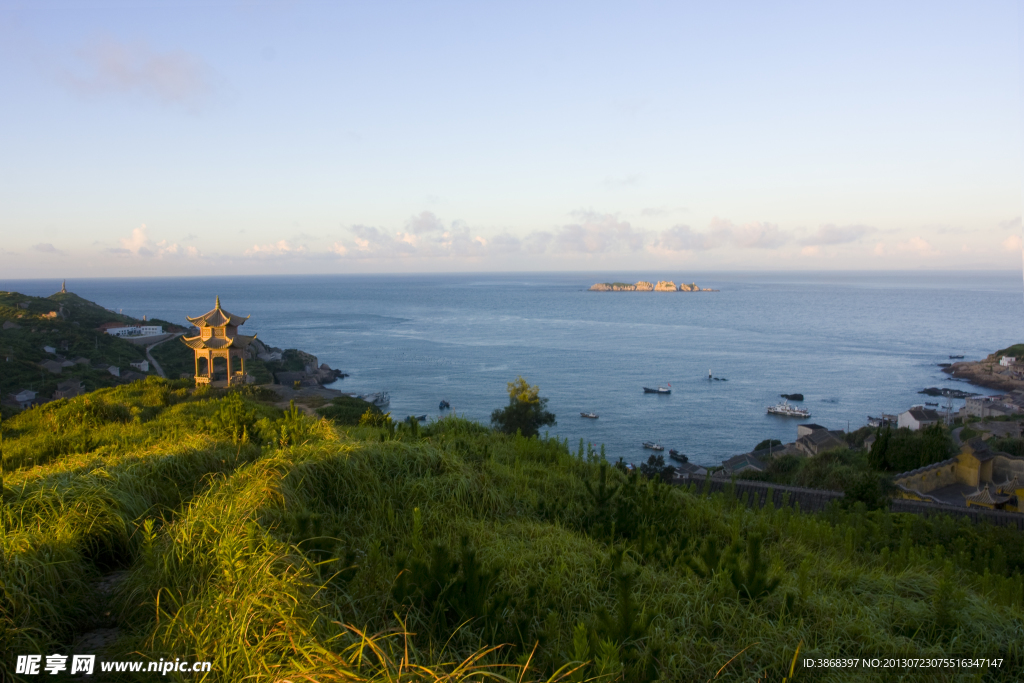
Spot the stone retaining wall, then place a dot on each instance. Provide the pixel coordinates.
(755, 493)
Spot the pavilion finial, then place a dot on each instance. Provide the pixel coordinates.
(64, 287)
(217, 305)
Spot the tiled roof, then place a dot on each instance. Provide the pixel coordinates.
(217, 317)
(983, 497)
(924, 414)
(239, 341)
(1009, 488)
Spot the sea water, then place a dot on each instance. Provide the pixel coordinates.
(854, 344)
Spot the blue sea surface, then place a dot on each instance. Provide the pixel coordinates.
(854, 343)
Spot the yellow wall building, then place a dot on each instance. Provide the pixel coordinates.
(976, 476)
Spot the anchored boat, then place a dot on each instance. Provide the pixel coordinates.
(379, 399)
(659, 390)
(787, 410)
(592, 416)
(653, 446)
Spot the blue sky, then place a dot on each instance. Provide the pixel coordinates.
(161, 138)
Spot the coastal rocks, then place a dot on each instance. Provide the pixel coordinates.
(665, 286)
(613, 287)
(644, 286)
(949, 393)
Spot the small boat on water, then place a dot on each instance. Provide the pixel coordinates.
(592, 416)
(960, 356)
(787, 410)
(659, 390)
(930, 404)
(653, 446)
(418, 418)
(444, 405)
(379, 399)
(677, 456)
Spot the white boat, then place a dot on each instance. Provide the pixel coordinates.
(653, 446)
(787, 410)
(592, 416)
(379, 399)
(659, 390)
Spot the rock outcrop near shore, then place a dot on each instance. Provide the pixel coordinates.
(643, 286)
(989, 373)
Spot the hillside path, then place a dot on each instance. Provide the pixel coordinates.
(152, 361)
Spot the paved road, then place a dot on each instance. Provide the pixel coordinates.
(152, 361)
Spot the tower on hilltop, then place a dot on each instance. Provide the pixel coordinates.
(218, 338)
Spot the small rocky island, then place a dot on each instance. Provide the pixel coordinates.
(642, 286)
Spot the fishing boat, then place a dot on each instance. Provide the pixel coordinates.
(677, 456)
(659, 390)
(960, 356)
(592, 416)
(653, 446)
(379, 399)
(787, 410)
(928, 403)
(444, 405)
(418, 418)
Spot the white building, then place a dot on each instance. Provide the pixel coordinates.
(136, 331)
(918, 418)
(24, 398)
(1007, 361)
(142, 365)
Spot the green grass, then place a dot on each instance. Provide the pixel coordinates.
(274, 545)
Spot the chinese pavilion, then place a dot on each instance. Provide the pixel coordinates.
(218, 338)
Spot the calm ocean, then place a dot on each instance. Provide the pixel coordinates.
(853, 343)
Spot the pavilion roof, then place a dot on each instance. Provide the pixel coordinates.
(983, 497)
(217, 317)
(239, 341)
(1010, 487)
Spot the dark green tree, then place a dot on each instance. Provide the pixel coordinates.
(525, 413)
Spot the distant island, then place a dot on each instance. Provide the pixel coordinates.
(642, 286)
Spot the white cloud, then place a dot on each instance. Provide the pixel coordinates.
(46, 248)
(830, 234)
(919, 246)
(108, 66)
(1013, 243)
(140, 244)
(723, 233)
(279, 248)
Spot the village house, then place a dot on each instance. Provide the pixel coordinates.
(142, 365)
(1007, 361)
(918, 418)
(740, 463)
(23, 399)
(135, 331)
(69, 388)
(49, 349)
(813, 439)
(51, 366)
(991, 406)
(976, 477)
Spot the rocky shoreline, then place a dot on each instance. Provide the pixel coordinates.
(644, 286)
(989, 373)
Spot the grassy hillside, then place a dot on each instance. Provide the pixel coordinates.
(73, 335)
(269, 543)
